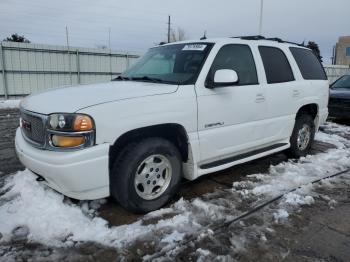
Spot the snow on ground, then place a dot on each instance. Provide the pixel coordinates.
(49, 218)
(11, 103)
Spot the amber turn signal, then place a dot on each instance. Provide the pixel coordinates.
(67, 141)
(83, 123)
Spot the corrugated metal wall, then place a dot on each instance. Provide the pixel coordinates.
(31, 67)
(335, 71)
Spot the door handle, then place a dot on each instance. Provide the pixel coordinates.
(259, 98)
(296, 93)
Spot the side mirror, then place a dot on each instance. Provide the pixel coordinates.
(225, 77)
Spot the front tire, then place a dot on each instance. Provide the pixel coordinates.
(146, 175)
(302, 137)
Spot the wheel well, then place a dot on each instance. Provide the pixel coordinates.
(175, 133)
(310, 109)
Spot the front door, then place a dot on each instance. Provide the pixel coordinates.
(230, 118)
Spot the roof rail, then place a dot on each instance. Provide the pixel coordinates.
(260, 37)
(250, 37)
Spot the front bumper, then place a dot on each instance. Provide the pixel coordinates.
(81, 174)
(339, 107)
(339, 112)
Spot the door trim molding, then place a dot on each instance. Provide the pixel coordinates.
(227, 160)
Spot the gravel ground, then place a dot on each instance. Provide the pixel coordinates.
(319, 232)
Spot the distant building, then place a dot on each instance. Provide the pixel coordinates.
(342, 51)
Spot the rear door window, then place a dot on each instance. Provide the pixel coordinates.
(277, 67)
(310, 67)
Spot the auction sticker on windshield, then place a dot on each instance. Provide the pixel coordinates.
(194, 47)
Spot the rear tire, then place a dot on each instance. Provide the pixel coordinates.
(146, 175)
(302, 137)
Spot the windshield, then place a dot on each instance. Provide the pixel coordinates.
(172, 64)
(343, 82)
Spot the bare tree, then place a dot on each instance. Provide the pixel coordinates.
(17, 38)
(177, 35)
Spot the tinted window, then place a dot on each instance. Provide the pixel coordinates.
(343, 82)
(310, 67)
(238, 58)
(277, 67)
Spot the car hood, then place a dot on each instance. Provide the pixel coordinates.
(340, 93)
(72, 99)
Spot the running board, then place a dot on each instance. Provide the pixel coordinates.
(241, 156)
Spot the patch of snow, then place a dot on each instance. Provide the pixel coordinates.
(291, 174)
(281, 214)
(238, 243)
(263, 237)
(52, 219)
(332, 203)
(173, 237)
(298, 200)
(11, 103)
(202, 254)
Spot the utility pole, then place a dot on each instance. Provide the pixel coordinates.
(261, 16)
(109, 37)
(110, 52)
(169, 29)
(333, 55)
(69, 61)
(67, 38)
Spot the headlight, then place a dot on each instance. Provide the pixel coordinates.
(71, 130)
(70, 122)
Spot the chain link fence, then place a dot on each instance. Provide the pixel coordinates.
(335, 71)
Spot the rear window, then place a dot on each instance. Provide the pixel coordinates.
(310, 67)
(277, 67)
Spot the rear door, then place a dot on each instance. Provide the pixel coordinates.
(281, 93)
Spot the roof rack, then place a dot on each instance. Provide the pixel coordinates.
(260, 37)
(251, 37)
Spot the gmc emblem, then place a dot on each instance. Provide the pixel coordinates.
(26, 125)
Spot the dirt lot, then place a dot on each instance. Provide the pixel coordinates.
(317, 232)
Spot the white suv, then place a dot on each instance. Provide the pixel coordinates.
(183, 110)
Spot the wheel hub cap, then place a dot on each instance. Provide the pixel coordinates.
(153, 177)
(304, 136)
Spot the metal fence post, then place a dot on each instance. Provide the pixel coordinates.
(4, 82)
(78, 66)
(110, 63)
(127, 60)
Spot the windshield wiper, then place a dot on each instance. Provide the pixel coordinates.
(121, 78)
(147, 78)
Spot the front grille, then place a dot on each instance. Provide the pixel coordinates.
(34, 127)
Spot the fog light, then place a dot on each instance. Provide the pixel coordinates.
(67, 141)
